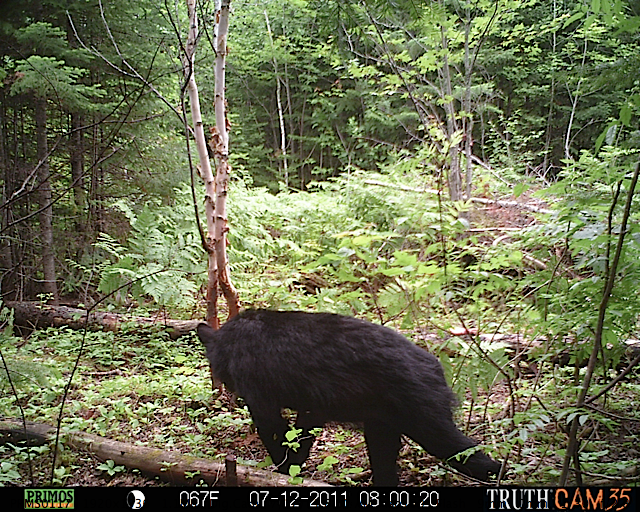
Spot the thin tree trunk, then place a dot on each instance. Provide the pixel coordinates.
(95, 199)
(205, 164)
(552, 95)
(223, 168)
(547, 142)
(76, 157)
(301, 147)
(466, 108)
(291, 143)
(7, 274)
(46, 215)
(574, 105)
(283, 135)
(454, 178)
(215, 187)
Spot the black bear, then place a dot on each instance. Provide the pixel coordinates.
(336, 368)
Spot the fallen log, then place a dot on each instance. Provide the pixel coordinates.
(172, 467)
(35, 315)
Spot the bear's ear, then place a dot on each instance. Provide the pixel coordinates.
(206, 334)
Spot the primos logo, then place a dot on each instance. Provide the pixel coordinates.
(48, 498)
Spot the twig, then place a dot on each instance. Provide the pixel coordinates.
(624, 372)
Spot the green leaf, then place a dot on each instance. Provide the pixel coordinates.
(294, 470)
(292, 434)
(625, 114)
(392, 272)
(519, 189)
(328, 463)
(404, 259)
(573, 18)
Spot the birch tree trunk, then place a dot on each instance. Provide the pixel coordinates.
(215, 187)
(203, 156)
(575, 98)
(283, 136)
(223, 169)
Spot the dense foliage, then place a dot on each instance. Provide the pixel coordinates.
(363, 138)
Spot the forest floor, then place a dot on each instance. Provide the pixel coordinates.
(345, 443)
(188, 424)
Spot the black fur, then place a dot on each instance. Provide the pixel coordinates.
(337, 368)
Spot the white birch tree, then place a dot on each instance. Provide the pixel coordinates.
(216, 187)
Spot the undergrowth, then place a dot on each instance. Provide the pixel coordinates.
(511, 316)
